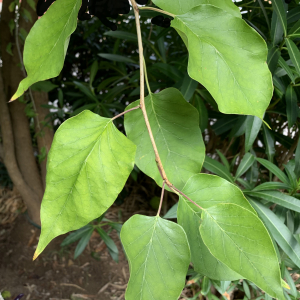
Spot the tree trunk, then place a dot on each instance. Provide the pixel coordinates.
(25, 162)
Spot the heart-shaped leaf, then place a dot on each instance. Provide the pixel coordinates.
(88, 165)
(158, 255)
(228, 57)
(238, 238)
(175, 126)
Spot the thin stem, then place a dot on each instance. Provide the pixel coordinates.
(125, 112)
(161, 198)
(146, 77)
(184, 195)
(157, 9)
(142, 89)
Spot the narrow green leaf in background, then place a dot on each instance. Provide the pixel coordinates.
(87, 153)
(276, 29)
(294, 54)
(83, 242)
(188, 87)
(297, 160)
(202, 110)
(253, 125)
(76, 235)
(271, 186)
(175, 126)
(281, 13)
(273, 57)
(217, 168)
(207, 191)
(279, 231)
(242, 81)
(113, 249)
(249, 251)
(284, 65)
(158, 255)
(245, 164)
(274, 169)
(269, 142)
(278, 198)
(117, 57)
(292, 108)
(47, 43)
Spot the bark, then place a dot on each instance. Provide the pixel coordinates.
(31, 199)
(21, 138)
(43, 129)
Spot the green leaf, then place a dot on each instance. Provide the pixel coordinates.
(294, 32)
(292, 108)
(202, 110)
(241, 241)
(207, 191)
(242, 81)
(172, 212)
(253, 125)
(284, 65)
(83, 243)
(117, 57)
(176, 131)
(223, 159)
(76, 235)
(245, 164)
(281, 13)
(279, 231)
(122, 35)
(158, 255)
(294, 54)
(278, 198)
(188, 87)
(176, 7)
(47, 43)
(274, 169)
(44, 86)
(217, 168)
(88, 165)
(297, 160)
(112, 248)
(84, 89)
(276, 29)
(271, 186)
(273, 57)
(269, 142)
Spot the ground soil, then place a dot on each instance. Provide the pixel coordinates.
(55, 275)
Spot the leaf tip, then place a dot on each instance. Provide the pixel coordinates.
(35, 256)
(267, 124)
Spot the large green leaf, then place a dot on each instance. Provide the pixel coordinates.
(177, 7)
(88, 165)
(47, 43)
(223, 47)
(207, 191)
(238, 238)
(158, 255)
(175, 126)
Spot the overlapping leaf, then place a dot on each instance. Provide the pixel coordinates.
(238, 238)
(47, 43)
(159, 256)
(207, 191)
(175, 126)
(228, 57)
(88, 165)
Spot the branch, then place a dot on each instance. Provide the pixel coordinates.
(142, 95)
(142, 105)
(125, 112)
(161, 198)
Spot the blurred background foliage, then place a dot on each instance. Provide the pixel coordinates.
(101, 74)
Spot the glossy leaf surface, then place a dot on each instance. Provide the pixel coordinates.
(88, 165)
(158, 255)
(238, 238)
(176, 131)
(207, 191)
(225, 48)
(47, 43)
